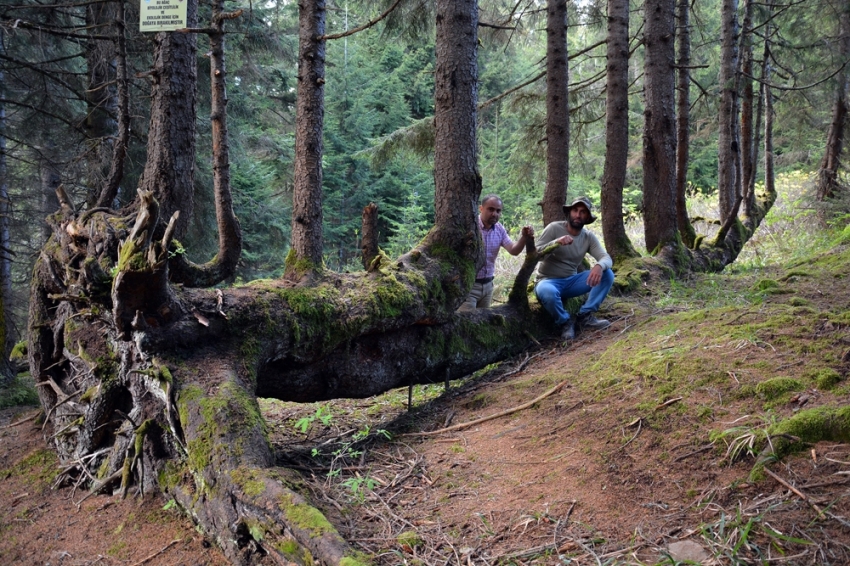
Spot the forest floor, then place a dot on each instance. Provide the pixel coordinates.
(632, 445)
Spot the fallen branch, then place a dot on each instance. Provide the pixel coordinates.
(694, 453)
(494, 416)
(668, 403)
(639, 422)
(22, 421)
(796, 492)
(155, 554)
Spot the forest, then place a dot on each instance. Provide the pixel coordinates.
(278, 202)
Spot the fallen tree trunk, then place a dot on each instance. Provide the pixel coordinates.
(149, 386)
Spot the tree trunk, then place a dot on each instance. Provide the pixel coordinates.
(557, 113)
(305, 257)
(747, 102)
(170, 167)
(457, 182)
(714, 256)
(223, 265)
(109, 189)
(769, 176)
(101, 96)
(50, 181)
(827, 184)
(369, 235)
(616, 132)
(7, 340)
(683, 121)
(659, 137)
(727, 141)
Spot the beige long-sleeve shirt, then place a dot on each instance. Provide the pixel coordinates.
(564, 261)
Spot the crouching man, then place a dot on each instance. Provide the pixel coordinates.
(558, 278)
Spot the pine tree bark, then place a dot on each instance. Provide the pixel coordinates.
(827, 184)
(170, 167)
(659, 134)
(101, 96)
(557, 113)
(616, 132)
(683, 121)
(305, 257)
(7, 340)
(727, 141)
(747, 126)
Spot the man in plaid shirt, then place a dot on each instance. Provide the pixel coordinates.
(495, 237)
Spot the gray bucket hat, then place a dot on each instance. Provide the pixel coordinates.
(586, 202)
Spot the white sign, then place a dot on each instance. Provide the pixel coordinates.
(162, 15)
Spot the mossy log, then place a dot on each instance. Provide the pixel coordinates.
(151, 386)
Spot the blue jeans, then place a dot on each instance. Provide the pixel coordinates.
(552, 292)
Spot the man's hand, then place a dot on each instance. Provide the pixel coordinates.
(528, 231)
(565, 240)
(595, 275)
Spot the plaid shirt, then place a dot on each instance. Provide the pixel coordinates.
(494, 238)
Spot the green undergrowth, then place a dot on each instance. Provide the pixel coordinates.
(38, 469)
(19, 393)
(753, 342)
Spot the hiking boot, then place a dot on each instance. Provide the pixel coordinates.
(568, 330)
(587, 321)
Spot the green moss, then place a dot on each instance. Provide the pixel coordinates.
(410, 539)
(306, 517)
(19, 351)
(806, 427)
(89, 394)
(230, 412)
(249, 480)
(38, 469)
(131, 258)
(294, 552)
(171, 475)
(355, 559)
(299, 267)
(630, 274)
(143, 429)
(826, 379)
(103, 469)
(773, 388)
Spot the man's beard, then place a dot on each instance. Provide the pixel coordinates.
(577, 224)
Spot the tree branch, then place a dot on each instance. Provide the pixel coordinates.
(358, 29)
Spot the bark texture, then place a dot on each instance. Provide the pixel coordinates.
(828, 184)
(7, 338)
(457, 182)
(727, 140)
(223, 265)
(305, 258)
(557, 113)
(659, 133)
(747, 124)
(683, 120)
(170, 167)
(369, 231)
(616, 132)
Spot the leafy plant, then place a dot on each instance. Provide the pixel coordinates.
(323, 414)
(359, 485)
